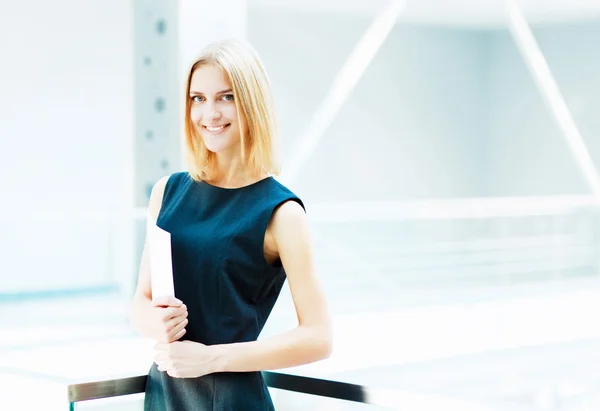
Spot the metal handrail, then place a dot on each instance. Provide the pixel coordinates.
(307, 385)
(387, 398)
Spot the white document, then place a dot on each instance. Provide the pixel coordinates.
(161, 267)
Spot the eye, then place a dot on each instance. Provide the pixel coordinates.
(227, 97)
(197, 99)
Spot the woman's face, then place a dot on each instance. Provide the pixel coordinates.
(213, 110)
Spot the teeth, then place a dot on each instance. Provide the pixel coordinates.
(213, 129)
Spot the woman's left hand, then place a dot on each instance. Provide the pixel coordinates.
(185, 359)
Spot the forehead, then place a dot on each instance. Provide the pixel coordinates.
(208, 79)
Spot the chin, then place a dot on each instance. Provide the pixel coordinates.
(218, 147)
(215, 149)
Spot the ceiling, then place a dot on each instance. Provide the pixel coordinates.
(476, 13)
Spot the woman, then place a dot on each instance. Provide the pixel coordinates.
(236, 235)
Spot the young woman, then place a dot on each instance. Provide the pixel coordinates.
(236, 235)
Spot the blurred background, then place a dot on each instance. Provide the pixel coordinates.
(447, 152)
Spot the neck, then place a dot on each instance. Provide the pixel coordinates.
(232, 173)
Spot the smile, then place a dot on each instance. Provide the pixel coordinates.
(216, 129)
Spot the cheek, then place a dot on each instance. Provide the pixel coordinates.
(195, 115)
(230, 113)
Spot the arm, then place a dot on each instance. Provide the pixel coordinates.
(163, 320)
(310, 341)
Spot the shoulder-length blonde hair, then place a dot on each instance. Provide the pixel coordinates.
(245, 72)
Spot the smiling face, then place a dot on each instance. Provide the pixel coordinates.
(213, 110)
(225, 128)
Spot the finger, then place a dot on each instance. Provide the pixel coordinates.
(172, 312)
(174, 322)
(180, 313)
(174, 302)
(178, 327)
(166, 301)
(179, 334)
(167, 313)
(159, 301)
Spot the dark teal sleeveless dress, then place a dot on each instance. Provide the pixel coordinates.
(220, 273)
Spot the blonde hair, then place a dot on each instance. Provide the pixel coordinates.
(244, 70)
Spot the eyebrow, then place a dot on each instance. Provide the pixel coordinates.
(217, 93)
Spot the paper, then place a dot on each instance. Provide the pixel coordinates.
(161, 267)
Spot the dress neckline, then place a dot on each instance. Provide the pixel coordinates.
(237, 188)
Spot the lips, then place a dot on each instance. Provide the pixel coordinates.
(216, 129)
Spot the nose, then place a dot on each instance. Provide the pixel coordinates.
(212, 112)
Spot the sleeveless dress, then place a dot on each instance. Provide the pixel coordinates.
(220, 273)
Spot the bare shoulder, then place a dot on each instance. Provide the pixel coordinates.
(289, 213)
(156, 196)
(289, 220)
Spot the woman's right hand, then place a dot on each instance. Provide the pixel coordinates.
(169, 319)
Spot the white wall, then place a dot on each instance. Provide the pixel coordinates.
(441, 112)
(411, 128)
(67, 119)
(527, 152)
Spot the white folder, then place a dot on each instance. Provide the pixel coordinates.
(161, 267)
